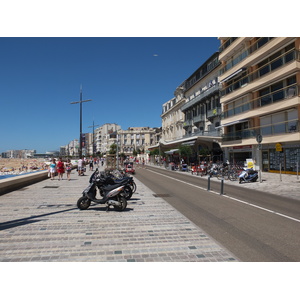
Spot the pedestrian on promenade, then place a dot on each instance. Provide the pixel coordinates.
(60, 168)
(68, 168)
(91, 163)
(80, 166)
(52, 169)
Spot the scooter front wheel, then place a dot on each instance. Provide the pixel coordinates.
(123, 202)
(83, 203)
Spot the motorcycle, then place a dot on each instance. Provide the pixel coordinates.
(106, 179)
(113, 195)
(248, 175)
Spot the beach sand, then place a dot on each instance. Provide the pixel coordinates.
(22, 164)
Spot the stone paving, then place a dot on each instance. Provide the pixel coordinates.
(41, 223)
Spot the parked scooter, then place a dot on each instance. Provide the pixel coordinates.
(113, 195)
(128, 181)
(248, 175)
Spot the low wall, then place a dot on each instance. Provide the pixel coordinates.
(14, 183)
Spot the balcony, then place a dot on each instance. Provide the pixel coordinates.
(214, 112)
(201, 96)
(212, 133)
(290, 126)
(259, 43)
(280, 61)
(270, 98)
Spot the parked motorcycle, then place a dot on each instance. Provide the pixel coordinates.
(248, 175)
(106, 179)
(113, 195)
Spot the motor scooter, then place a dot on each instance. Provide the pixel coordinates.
(248, 175)
(113, 195)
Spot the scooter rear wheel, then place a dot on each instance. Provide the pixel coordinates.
(123, 202)
(83, 203)
(127, 192)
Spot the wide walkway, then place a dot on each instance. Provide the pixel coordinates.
(41, 222)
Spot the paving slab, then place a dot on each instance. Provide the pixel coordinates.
(41, 223)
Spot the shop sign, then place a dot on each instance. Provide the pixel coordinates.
(250, 163)
(278, 147)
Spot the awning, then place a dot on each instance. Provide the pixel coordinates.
(233, 75)
(189, 143)
(232, 123)
(171, 151)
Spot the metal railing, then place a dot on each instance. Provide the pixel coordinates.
(259, 43)
(270, 98)
(286, 58)
(289, 126)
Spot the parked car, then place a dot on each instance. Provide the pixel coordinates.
(129, 169)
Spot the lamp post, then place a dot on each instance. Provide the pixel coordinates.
(80, 137)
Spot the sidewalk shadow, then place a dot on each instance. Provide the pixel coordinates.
(29, 220)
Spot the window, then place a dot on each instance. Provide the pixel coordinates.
(265, 124)
(278, 95)
(278, 121)
(292, 116)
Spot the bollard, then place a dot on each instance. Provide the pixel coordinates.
(208, 183)
(222, 186)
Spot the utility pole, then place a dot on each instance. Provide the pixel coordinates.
(80, 137)
(93, 136)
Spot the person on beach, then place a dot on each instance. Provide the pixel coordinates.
(52, 168)
(60, 168)
(69, 168)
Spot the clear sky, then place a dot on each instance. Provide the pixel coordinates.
(127, 78)
(129, 56)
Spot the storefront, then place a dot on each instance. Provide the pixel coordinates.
(284, 156)
(237, 155)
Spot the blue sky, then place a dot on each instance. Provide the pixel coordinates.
(127, 78)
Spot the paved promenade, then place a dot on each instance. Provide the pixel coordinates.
(41, 223)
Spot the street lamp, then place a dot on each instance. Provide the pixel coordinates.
(80, 137)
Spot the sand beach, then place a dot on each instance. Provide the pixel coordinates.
(15, 166)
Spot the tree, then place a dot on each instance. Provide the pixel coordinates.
(185, 151)
(113, 149)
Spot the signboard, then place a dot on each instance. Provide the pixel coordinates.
(278, 147)
(250, 163)
(259, 138)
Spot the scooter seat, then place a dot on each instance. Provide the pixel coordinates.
(111, 187)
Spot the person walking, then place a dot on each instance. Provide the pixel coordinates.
(60, 168)
(52, 168)
(80, 166)
(91, 163)
(68, 168)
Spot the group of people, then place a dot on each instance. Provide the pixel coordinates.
(60, 168)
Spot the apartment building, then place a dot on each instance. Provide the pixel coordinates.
(173, 117)
(202, 109)
(102, 137)
(137, 139)
(260, 79)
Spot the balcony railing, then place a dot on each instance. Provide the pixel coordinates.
(259, 43)
(201, 96)
(279, 95)
(290, 126)
(203, 133)
(214, 112)
(287, 57)
(227, 44)
(199, 118)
